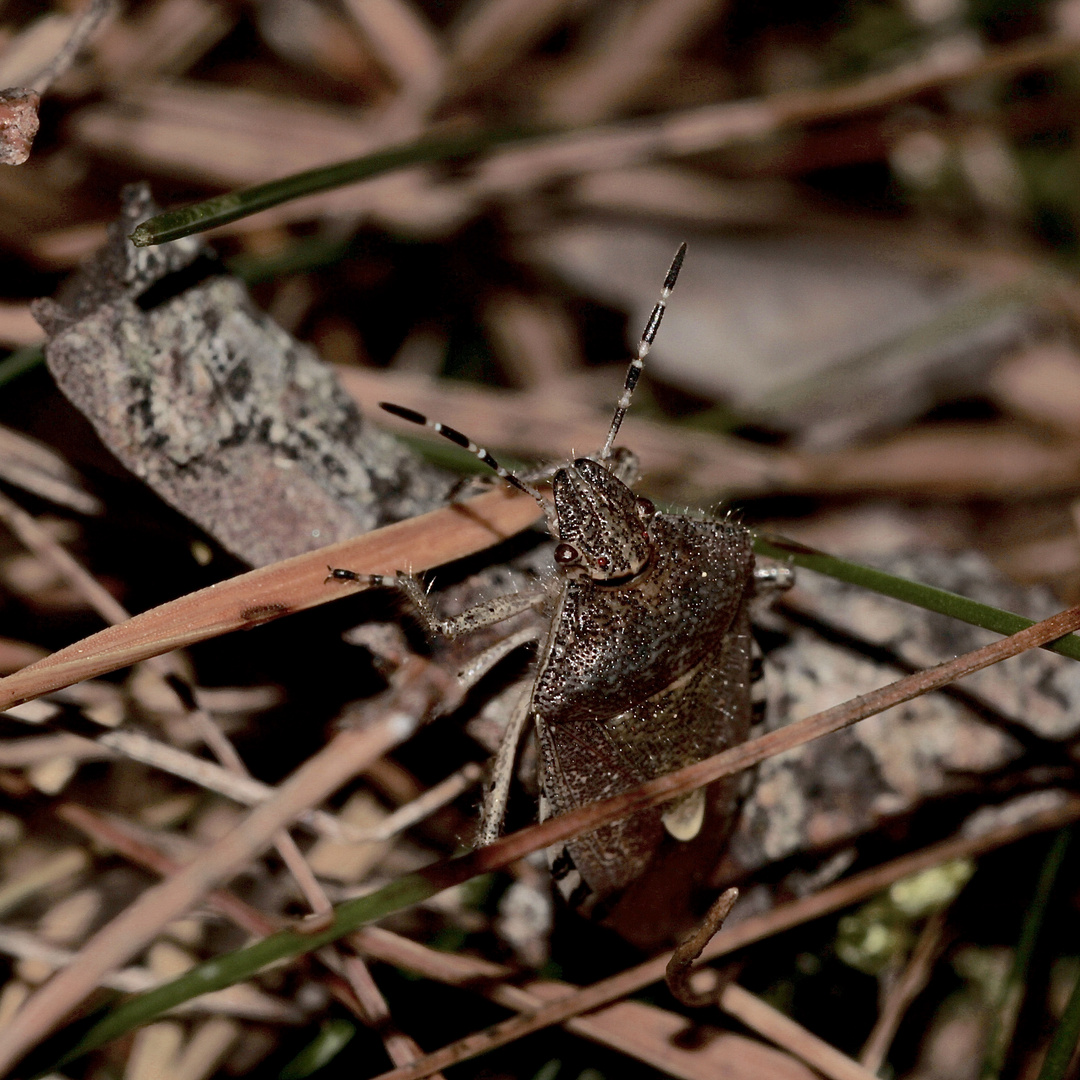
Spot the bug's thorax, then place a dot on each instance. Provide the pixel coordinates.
(604, 528)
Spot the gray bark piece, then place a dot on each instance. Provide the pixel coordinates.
(839, 787)
(1037, 689)
(229, 419)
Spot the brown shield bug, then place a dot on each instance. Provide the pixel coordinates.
(644, 665)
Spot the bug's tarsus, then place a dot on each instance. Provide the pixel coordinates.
(648, 336)
(337, 573)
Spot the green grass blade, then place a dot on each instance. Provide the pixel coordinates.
(911, 592)
(1066, 1038)
(19, 362)
(332, 1038)
(220, 210)
(224, 971)
(1012, 993)
(307, 253)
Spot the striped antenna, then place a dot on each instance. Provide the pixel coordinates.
(633, 372)
(466, 443)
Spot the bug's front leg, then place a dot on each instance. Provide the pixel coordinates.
(486, 613)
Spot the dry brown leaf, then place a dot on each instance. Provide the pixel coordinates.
(679, 1047)
(962, 460)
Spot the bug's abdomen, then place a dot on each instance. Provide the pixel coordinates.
(701, 712)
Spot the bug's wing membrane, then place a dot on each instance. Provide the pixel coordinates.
(581, 764)
(678, 884)
(695, 717)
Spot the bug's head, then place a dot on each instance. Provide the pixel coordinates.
(603, 525)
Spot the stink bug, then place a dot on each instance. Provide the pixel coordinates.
(644, 665)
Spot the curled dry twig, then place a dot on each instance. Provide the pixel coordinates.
(19, 104)
(681, 965)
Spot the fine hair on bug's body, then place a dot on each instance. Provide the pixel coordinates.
(644, 667)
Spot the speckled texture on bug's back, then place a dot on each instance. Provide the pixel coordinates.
(639, 680)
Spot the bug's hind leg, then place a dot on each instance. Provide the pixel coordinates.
(476, 667)
(502, 771)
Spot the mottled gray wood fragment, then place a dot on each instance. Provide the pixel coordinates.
(997, 722)
(228, 418)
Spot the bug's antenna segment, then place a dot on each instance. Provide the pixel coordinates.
(644, 345)
(466, 443)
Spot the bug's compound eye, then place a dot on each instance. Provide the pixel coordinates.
(566, 553)
(645, 507)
